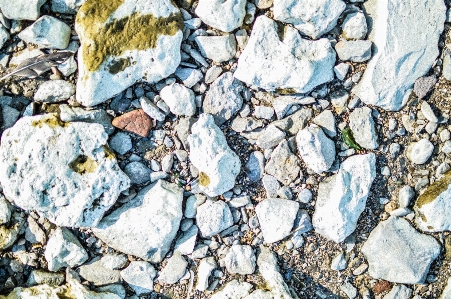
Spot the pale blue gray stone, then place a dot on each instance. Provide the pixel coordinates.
(399, 292)
(151, 109)
(255, 166)
(363, 128)
(137, 172)
(212, 217)
(240, 260)
(22, 9)
(217, 48)
(66, 6)
(189, 76)
(47, 32)
(206, 267)
(174, 270)
(223, 15)
(270, 137)
(339, 262)
(121, 143)
(95, 272)
(5, 210)
(54, 91)
(114, 261)
(326, 121)
(420, 152)
(100, 116)
(179, 99)
(283, 164)
(354, 26)
(355, 51)
(186, 242)
(271, 185)
(139, 275)
(4, 35)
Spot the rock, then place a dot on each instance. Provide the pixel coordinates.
(363, 128)
(139, 275)
(217, 48)
(326, 121)
(192, 203)
(22, 9)
(276, 217)
(446, 294)
(355, 51)
(125, 42)
(218, 165)
(339, 262)
(406, 254)
(10, 233)
(354, 26)
(305, 195)
(341, 70)
(223, 99)
(114, 261)
(428, 112)
(291, 65)
(96, 273)
(117, 289)
(284, 104)
(271, 185)
(137, 172)
(270, 137)
(233, 289)
(213, 217)
(4, 36)
(206, 267)
(240, 260)
(283, 165)
(100, 116)
(339, 101)
(349, 290)
(264, 112)
(147, 225)
(151, 109)
(405, 195)
(342, 197)
(34, 233)
(135, 121)
(43, 277)
(47, 32)
(66, 6)
(240, 201)
(312, 18)
(121, 143)
(174, 270)
(255, 166)
(186, 242)
(189, 76)
(212, 74)
(179, 99)
(295, 122)
(420, 152)
(446, 71)
(77, 157)
(317, 151)
(6, 210)
(400, 58)
(399, 292)
(222, 15)
(54, 91)
(423, 85)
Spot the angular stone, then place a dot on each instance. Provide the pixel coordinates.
(355, 51)
(96, 273)
(47, 32)
(269, 269)
(100, 116)
(121, 143)
(423, 85)
(44, 277)
(270, 137)
(223, 15)
(255, 166)
(326, 121)
(189, 76)
(135, 121)
(34, 233)
(354, 26)
(179, 99)
(185, 243)
(400, 58)
(400, 292)
(22, 9)
(66, 6)
(123, 42)
(240, 260)
(174, 269)
(213, 217)
(217, 48)
(206, 267)
(6, 210)
(342, 197)
(10, 233)
(4, 37)
(283, 165)
(295, 122)
(233, 289)
(363, 128)
(54, 91)
(245, 124)
(139, 275)
(151, 109)
(288, 64)
(114, 261)
(137, 172)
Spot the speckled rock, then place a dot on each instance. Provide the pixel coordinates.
(54, 91)
(363, 128)
(283, 164)
(213, 217)
(139, 275)
(222, 15)
(47, 32)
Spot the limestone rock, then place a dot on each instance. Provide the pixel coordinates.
(233, 289)
(255, 166)
(174, 269)
(206, 266)
(22, 9)
(100, 116)
(213, 217)
(420, 152)
(54, 91)
(5, 210)
(217, 48)
(179, 99)
(283, 165)
(139, 275)
(363, 128)
(270, 137)
(223, 15)
(355, 26)
(326, 121)
(10, 233)
(67, 6)
(47, 32)
(355, 51)
(240, 260)
(95, 272)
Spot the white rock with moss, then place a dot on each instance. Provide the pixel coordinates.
(123, 42)
(64, 171)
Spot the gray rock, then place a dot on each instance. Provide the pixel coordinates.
(240, 260)
(405, 195)
(354, 26)
(212, 74)
(34, 233)
(186, 242)
(420, 152)
(339, 262)
(222, 15)
(137, 172)
(446, 70)
(192, 203)
(151, 109)
(305, 195)
(5, 210)
(100, 116)
(349, 290)
(47, 32)
(66, 6)
(264, 112)
(139, 275)
(326, 121)
(341, 70)
(423, 85)
(406, 255)
(121, 143)
(96, 273)
(22, 9)
(283, 165)
(54, 91)
(355, 51)
(179, 99)
(339, 101)
(271, 185)
(270, 137)
(4, 36)
(223, 99)
(10, 233)
(217, 48)
(399, 292)
(147, 225)
(363, 128)
(114, 261)
(233, 289)
(117, 289)
(392, 71)
(189, 76)
(239, 201)
(43, 277)
(428, 112)
(255, 166)
(174, 270)
(213, 217)
(206, 267)
(295, 122)
(267, 265)
(245, 124)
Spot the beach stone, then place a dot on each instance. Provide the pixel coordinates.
(54, 91)
(10, 233)
(124, 42)
(22, 9)
(121, 143)
(354, 26)
(240, 260)
(34, 233)
(43, 277)
(137, 172)
(47, 32)
(151, 109)
(6, 210)
(66, 6)
(339, 262)
(114, 261)
(270, 137)
(189, 76)
(399, 292)
(213, 217)
(223, 15)
(283, 164)
(255, 166)
(179, 99)
(217, 48)
(428, 112)
(206, 267)
(420, 152)
(363, 128)
(355, 51)
(100, 116)
(186, 242)
(135, 121)
(271, 185)
(174, 270)
(269, 269)
(139, 275)
(95, 272)
(326, 121)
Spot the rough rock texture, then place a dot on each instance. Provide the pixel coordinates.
(355, 26)
(213, 217)
(66, 6)
(98, 274)
(146, 225)
(47, 32)
(218, 165)
(135, 121)
(64, 171)
(223, 15)
(179, 99)
(54, 91)
(342, 197)
(240, 260)
(363, 128)
(267, 265)
(396, 252)
(174, 269)
(405, 35)
(22, 9)
(293, 64)
(217, 48)
(420, 152)
(233, 289)
(139, 275)
(283, 165)
(123, 42)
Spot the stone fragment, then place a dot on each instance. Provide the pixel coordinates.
(121, 143)
(66, 6)
(217, 48)
(284, 104)
(213, 217)
(405, 195)
(423, 85)
(34, 233)
(174, 270)
(363, 128)
(245, 124)
(255, 166)
(212, 74)
(264, 112)
(339, 262)
(6, 210)
(446, 294)
(96, 273)
(100, 116)
(355, 51)
(295, 122)
(420, 152)
(342, 197)
(137, 172)
(354, 26)
(206, 267)
(223, 15)
(271, 185)
(291, 65)
(114, 261)
(135, 121)
(179, 99)
(151, 109)
(326, 121)
(349, 290)
(283, 165)
(341, 70)
(10, 233)
(186, 242)
(189, 76)
(54, 91)
(47, 32)
(399, 292)
(43, 277)
(270, 137)
(139, 275)
(428, 112)
(406, 254)
(233, 289)
(400, 58)
(147, 225)
(269, 269)
(240, 260)
(218, 165)
(22, 9)
(4, 37)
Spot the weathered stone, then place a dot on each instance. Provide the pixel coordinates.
(222, 15)
(423, 85)
(233, 289)
(22, 9)
(54, 91)
(6, 210)
(44, 277)
(354, 26)
(267, 265)
(139, 275)
(10, 233)
(100, 116)
(206, 267)
(151, 109)
(363, 128)
(47, 32)
(67, 6)
(420, 152)
(174, 269)
(137, 172)
(283, 165)
(240, 260)
(34, 233)
(96, 273)
(217, 48)
(355, 51)
(326, 121)
(270, 137)
(179, 99)
(213, 217)
(136, 121)
(255, 166)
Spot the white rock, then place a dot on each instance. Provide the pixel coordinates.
(47, 32)
(54, 91)
(61, 170)
(240, 260)
(151, 109)
(4, 37)
(294, 63)
(354, 26)
(396, 252)
(326, 121)
(174, 270)
(213, 217)
(186, 242)
(363, 128)
(233, 289)
(270, 137)
(341, 70)
(342, 197)
(218, 165)
(420, 152)
(189, 76)
(446, 294)
(139, 275)
(5, 210)
(428, 112)
(67, 6)
(114, 261)
(206, 267)
(107, 67)
(349, 290)
(255, 166)
(283, 165)
(400, 58)
(339, 262)
(264, 112)
(271, 185)
(355, 51)
(22, 9)
(311, 17)
(317, 151)
(276, 217)
(217, 48)
(405, 195)
(305, 195)
(223, 15)
(64, 250)
(179, 99)
(147, 225)
(399, 292)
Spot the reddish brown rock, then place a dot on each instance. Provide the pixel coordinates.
(135, 121)
(381, 286)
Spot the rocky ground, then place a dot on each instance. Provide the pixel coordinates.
(225, 149)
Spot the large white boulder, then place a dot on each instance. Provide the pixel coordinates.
(123, 42)
(405, 36)
(342, 197)
(64, 171)
(285, 63)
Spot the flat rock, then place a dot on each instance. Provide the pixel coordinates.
(271, 185)
(363, 128)
(99, 116)
(222, 15)
(139, 275)
(283, 164)
(233, 289)
(399, 292)
(255, 166)
(151, 109)
(396, 252)
(206, 267)
(179, 99)
(217, 48)
(354, 26)
(189, 76)
(137, 172)
(47, 32)
(114, 261)
(54, 91)
(6, 210)
(326, 121)
(292, 64)
(147, 225)
(420, 152)
(295, 122)
(245, 124)
(135, 121)
(218, 165)
(43, 277)
(355, 51)
(125, 42)
(270, 137)
(66, 6)
(96, 273)
(342, 197)
(34, 233)
(22, 9)
(78, 178)
(240, 260)
(400, 58)
(213, 217)
(174, 269)
(121, 143)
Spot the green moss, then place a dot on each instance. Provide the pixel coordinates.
(204, 179)
(285, 90)
(434, 190)
(83, 164)
(348, 139)
(50, 120)
(134, 32)
(118, 65)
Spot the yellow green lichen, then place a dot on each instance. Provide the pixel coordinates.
(119, 65)
(286, 90)
(83, 164)
(434, 190)
(50, 120)
(204, 179)
(109, 153)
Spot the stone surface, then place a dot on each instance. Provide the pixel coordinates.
(354, 26)
(240, 260)
(34, 233)
(189, 76)
(446, 294)
(137, 172)
(22, 9)
(95, 272)
(428, 113)
(114, 261)
(145, 226)
(291, 65)
(78, 178)
(276, 217)
(270, 137)
(271, 185)
(135, 121)
(283, 164)
(186, 242)
(174, 270)
(326, 121)
(179, 99)
(355, 51)
(233, 289)
(222, 15)
(406, 254)
(423, 85)
(399, 292)
(295, 122)
(10, 233)
(43, 277)
(339, 262)
(124, 42)
(67, 6)
(420, 152)
(255, 166)
(312, 18)
(317, 151)
(47, 32)
(217, 48)
(151, 109)
(406, 36)
(213, 217)
(54, 91)
(218, 165)
(139, 275)
(6, 210)
(342, 197)
(206, 267)
(363, 128)
(4, 35)
(121, 143)
(100, 116)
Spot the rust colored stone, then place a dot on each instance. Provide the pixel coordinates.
(381, 286)
(135, 121)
